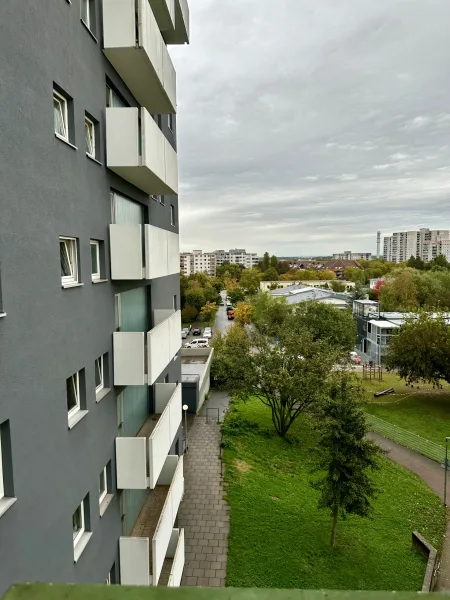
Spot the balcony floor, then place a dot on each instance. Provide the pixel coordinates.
(147, 520)
(165, 573)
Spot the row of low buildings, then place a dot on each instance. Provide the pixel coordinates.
(425, 244)
(198, 261)
(91, 444)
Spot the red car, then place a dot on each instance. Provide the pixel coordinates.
(355, 359)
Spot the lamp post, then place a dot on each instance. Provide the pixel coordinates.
(447, 439)
(185, 407)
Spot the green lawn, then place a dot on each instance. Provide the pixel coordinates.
(278, 537)
(423, 411)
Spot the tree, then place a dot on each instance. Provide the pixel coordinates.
(265, 263)
(420, 351)
(415, 263)
(270, 313)
(400, 294)
(217, 284)
(377, 287)
(189, 314)
(243, 313)
(325, 322)
(271, 274)
(234, 291)
(229, 270)
(210, 294)
(338, 286)
(209, 311)
(355, 275)
(250, 280)
(274, 262)
(202, 279)
(358, 293)
(195, 297)
(283, 267)
(326, 275)
(438, 263)
(343, 454)
(288, 377)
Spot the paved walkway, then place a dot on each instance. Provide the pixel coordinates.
(433, 475)
(204, 513)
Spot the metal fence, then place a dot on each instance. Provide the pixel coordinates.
(406, 438)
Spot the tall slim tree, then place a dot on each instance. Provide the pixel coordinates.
(344, 457)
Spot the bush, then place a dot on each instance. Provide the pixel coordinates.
(189, 314)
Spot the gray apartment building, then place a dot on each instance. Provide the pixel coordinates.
(91, 444)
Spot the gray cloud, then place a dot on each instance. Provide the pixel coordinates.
(306, 126)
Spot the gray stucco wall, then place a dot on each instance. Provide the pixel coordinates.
(50, 189)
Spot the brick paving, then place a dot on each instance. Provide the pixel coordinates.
(204, 513)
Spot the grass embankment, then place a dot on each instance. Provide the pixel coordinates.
(278, 537)
(422, 410)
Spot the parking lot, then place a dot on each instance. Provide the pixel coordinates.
(221, 323)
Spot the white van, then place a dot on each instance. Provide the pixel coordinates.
(198, 343)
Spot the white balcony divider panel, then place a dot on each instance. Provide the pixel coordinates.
(144, 63)
(161, 314)
(131, 461)
(122, 138)
(168, 470)
(181, 33)
(163, 394)
(129, 358)
(173, 253)
(172, 547)
(125, 242)
(134, 561)
(164, 341)
(164, 11)
(151, 165)
(176, 572)
(163, 532)
(156, 251)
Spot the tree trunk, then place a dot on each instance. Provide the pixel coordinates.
(334, 526)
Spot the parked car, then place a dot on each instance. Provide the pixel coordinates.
(222, 304)
(354, 358)
(198, 343)
(184, 333)
(207, 333)
(196, 331)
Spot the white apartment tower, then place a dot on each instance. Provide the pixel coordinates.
(424, 243)
(198, 262)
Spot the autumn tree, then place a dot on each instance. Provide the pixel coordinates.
(344, 457)
(287, 377)
(420, 351)
(243, 313)
(250, 280)
(208, 312)
(271, 274)
(326, 275)
(400, 293)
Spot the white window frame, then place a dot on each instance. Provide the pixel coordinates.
(77, 407)
(2, 485)
(64, 114)
(82, 529)
(89, 127)
(87, 17)
(170, 121)
(172, 215)
(102, 373)
(102, 495)
(96, 243)
(72, 256)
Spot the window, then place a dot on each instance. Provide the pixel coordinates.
(166, 378)
(154, 197)
(102, 486)
(99, 375)
(113, 100)
(89, 132)
(95, 259)
(73, 394)
(172, 215)
(87, 14)
(161, 199)
(78, 526)
(60, 116)
(175, 302)
(171, 121)
(69, 261)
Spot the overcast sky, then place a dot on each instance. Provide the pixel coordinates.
(306, 125)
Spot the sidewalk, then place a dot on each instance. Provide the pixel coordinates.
(433, 475)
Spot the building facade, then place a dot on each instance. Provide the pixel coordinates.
(90, 375)
(198, 262)
(237, 256)
(349, 255)
(424, 243)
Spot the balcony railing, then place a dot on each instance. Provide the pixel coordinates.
(137, 150)
(161, 247)
(134, 46)
(142, 556)
(141, 460)
(164, 11)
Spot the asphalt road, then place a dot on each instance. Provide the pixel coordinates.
(222, 323)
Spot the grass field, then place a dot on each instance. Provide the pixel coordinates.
(423, 411)
(278, 537)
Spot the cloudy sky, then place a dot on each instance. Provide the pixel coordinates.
(306, 125)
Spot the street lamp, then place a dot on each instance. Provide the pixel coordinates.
(185, 407)
(447, 439)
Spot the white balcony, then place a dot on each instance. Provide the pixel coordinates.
(140, 358)
(180, 34)
(154, 538)
(164, 11)
(162, 252)
(137, 150)
(142, 461)
(133, 44)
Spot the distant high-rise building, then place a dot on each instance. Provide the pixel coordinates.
(237, 256)
(424, 243)
(349, 255)
(197, 262)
